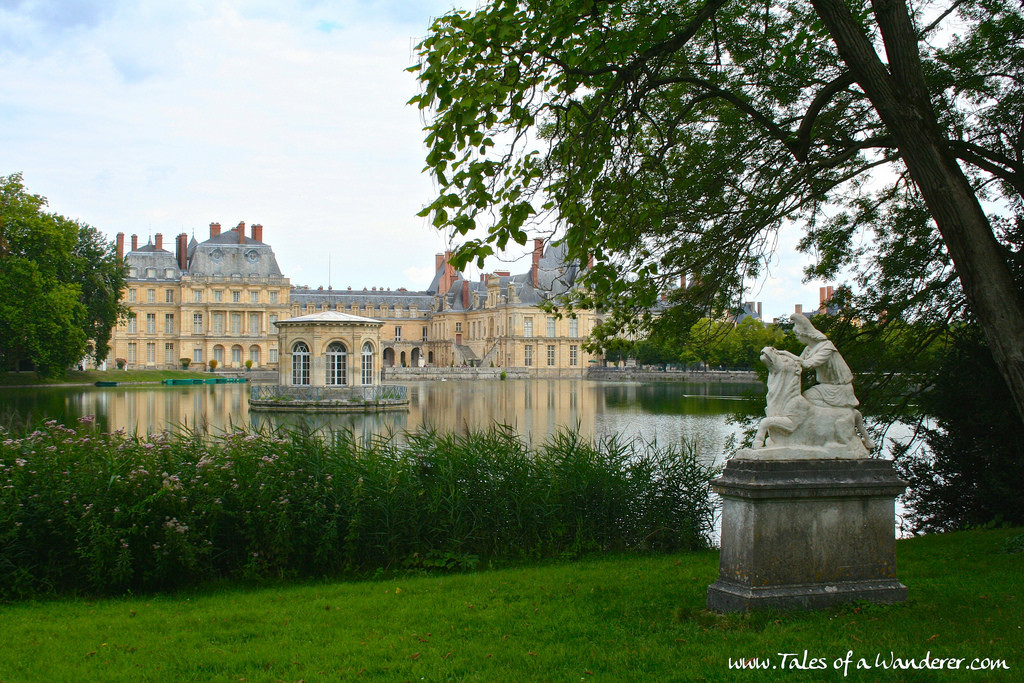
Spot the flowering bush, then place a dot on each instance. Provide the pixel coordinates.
(87, 511)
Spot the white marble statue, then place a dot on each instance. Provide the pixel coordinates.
(822, 422)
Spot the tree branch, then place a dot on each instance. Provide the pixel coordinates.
(803, 133)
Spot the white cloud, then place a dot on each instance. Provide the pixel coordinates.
(146, 116)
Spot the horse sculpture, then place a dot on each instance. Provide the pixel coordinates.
(793, 421)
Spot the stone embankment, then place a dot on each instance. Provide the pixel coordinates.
(630, 374)
(654, 374)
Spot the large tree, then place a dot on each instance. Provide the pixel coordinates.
(668, 139)
(60, 285)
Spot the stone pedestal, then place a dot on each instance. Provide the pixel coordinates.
(806, 534)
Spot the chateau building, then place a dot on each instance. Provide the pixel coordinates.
(221, 299)
(216, 300)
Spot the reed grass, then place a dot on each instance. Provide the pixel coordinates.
(96, 513)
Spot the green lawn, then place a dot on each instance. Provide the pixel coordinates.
(609, 618)
(10, 379)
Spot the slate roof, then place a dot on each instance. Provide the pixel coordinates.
(148, 256)
(345, 298)
(555, 278)
(220, 256)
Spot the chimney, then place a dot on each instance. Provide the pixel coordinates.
(538, 251)
(438, 261)
(181, 251)
(257, 232)
(135, 242)
(502, 273)
(240, 229)
(483, 278)
(799, 308)
(159, 244)
(449, 276)
(759, 311)
(590, 262)
(120, 246)
(214, 229)
(465, 293)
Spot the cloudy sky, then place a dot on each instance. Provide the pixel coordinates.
(162, 116)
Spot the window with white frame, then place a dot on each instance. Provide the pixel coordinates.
(218, 295)
(574, 327)
(168, 296)
(131, 352)
(218, 323)
(573, 355)
(527, 327)
(528, 355)
(132, 296)
(236, 323)
(300, 364)
(367, 363)
(197, 295)
(551, 354)
(197, 323)
(272, 354)
(273, 323)
(150, 296)
(132, 324)
(254, 324)
(273, 297)
(151, 352)
(197, 356)
(236, 355)
(551, 326)
(398, 333)
(254, 297)
(337, 364)
(168, 323)
(151, 323)
(236, 297)
(218, 354)
(169, 354)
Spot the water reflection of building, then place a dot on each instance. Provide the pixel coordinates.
(221, 299)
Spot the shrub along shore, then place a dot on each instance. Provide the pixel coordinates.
(96, 513)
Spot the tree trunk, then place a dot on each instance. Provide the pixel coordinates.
(900, 97)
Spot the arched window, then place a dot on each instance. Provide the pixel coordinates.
(337, 364)
(300, 364)
(367, 363)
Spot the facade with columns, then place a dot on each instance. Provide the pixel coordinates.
(329, 349)
(221, 299)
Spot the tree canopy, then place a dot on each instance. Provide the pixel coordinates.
(60, 285)
(674, 139)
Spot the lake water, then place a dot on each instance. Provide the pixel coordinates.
(656, 411)
(663, 412)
